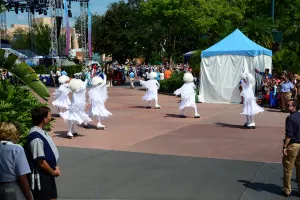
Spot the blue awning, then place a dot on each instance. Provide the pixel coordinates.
(236, 44)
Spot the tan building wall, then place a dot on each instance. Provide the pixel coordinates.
(14, 27)
(42, 20)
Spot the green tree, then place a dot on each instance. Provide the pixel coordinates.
(20, 39)
(43, 40)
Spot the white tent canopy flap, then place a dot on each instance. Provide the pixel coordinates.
(223, 63)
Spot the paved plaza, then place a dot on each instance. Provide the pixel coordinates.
(148, 154)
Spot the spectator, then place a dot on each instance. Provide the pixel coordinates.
(265, 76)
(168, 73)
(63, 73)
(286, 91)
(291, 147)
(14, 167)
(42, 155)
(131, 79)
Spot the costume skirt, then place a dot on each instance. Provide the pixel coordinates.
(76, 114)
(250, 107)
(62, 102)
(98, 109)
(187, 102)
(150, 95)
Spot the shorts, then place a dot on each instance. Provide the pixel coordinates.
(48, 188)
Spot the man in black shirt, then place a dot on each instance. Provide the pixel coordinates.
(291, 148)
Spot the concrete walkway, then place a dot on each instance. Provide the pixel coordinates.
(153, 154)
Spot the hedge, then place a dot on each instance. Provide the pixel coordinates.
(173, 83)
(16, 103)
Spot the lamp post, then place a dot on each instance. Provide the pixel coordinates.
(273, 10)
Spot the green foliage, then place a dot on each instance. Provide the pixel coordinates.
(43, 41)
(24, 73)
(15, 105)
(40, 69)
(154, 29)
(195, 61)
(71, 70)
(286, 59)
(173, 83)
(20, 39)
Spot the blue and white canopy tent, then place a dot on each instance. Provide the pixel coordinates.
(223, 63)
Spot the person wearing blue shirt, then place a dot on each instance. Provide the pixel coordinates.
(131, 79)
(14, 166)
(63, 73)
(286, 91)
(158, 76)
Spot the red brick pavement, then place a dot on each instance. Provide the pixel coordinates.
(217, 134)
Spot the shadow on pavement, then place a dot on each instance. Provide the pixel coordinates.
(265, 187)
(63, 134)
(278, 111)
(229, 125)
(137, 107)
(172, 115)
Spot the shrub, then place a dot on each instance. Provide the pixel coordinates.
(15, 105)
(40, 69)
(71, 70)
(173, 83)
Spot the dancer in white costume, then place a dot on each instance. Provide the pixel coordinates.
(188, 93)
(61, 95)
(76, 113)
(152, 86)
(250, 107)
(97, 98)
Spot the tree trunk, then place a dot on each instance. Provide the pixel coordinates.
(171, 62)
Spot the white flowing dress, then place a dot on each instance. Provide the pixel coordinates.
(61, 96)
(152, 86)
(250, 107)
(187, 92)
(97, 97)
(76, 113)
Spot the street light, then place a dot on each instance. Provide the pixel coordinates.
(273, 10)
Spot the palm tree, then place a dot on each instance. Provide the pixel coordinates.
(24, 73)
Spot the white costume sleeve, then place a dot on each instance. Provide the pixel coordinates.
(144, 84)
(158, 85)
(178, 91)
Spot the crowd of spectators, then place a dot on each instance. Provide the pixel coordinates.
(275, 90)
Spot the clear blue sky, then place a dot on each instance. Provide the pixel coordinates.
(97, 6)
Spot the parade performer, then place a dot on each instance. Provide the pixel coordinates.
(61, 95)
(250, 107)
(187, 92)
(97, 97)
(87, 76)
(76, 113)
(152, 87)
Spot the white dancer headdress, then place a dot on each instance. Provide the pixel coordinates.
(97, 81)
(248, 77)
(153, 75)
(188, 77)
(63, 79)
(76, 84)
